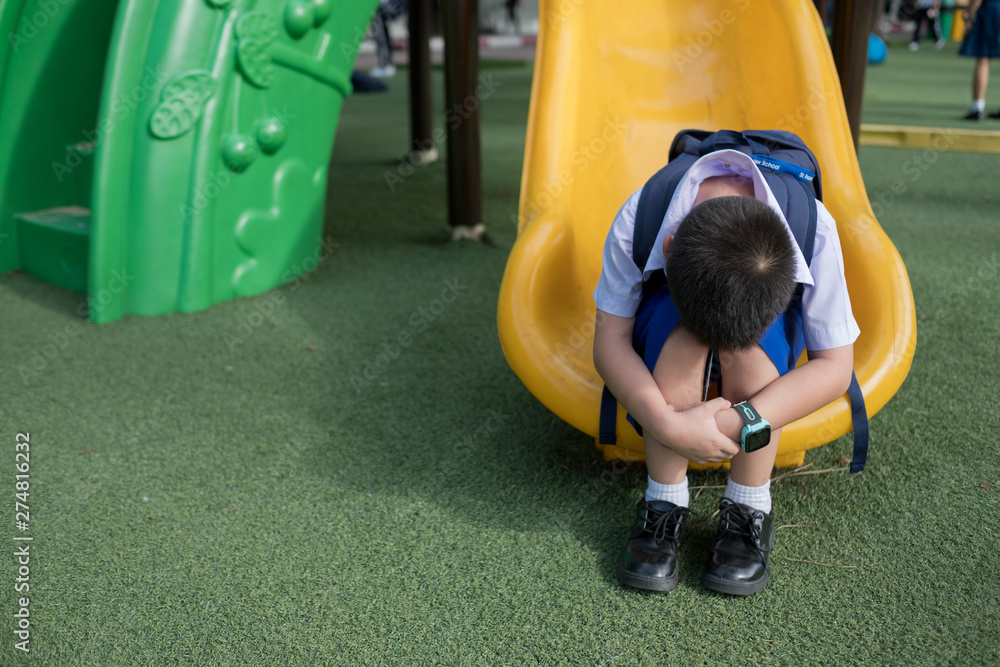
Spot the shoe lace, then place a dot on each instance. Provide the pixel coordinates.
(664, 524)
(740, 522)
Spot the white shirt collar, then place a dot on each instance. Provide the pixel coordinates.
(720, 163)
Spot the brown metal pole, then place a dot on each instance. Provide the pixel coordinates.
(821, 7)
(421, 107)
(852, 21)
(461, 45)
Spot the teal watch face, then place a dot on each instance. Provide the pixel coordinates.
(755, 437)
(757, 432)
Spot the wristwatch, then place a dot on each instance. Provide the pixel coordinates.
(756, 432)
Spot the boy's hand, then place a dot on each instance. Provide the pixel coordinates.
(690, 431)
(695, 434)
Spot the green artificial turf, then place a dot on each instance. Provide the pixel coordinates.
(200, 501)
(925, 88)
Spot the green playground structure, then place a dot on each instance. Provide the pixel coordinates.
(165, 155)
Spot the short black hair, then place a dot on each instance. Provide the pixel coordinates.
(731, 271)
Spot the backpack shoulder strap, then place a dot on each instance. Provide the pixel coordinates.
(799, 206)
(659, 190)
(859, 421)
(792, 172)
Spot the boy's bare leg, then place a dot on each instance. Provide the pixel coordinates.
(743, 375)
(679, 373)
(650, 558)
(738, 563)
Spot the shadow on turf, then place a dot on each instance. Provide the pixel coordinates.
(506, 481)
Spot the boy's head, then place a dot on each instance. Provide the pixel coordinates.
(731, 271)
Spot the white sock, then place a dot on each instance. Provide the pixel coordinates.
(677, 494)
(757, 497)
(978, 105)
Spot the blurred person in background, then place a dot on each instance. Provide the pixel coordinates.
(929, 11)
(982, 42)
(386, 12)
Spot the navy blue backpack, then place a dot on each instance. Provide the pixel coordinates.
(792, 173)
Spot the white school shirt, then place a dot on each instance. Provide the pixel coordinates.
(827, 320)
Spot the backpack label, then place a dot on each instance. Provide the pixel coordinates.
(773, 164)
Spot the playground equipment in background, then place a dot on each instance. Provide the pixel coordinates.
(611, 89)
(952, 21)
(877, 50)
(164, 156)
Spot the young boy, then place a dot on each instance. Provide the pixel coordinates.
(733, 271)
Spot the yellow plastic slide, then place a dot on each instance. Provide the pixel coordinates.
(614, 82)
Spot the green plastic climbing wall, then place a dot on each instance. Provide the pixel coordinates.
(169, 154)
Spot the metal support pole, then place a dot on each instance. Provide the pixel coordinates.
(422, 148)
(821, 8)
(461, 43)
(852, 21)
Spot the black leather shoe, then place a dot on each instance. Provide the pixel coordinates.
(738, 565)
(974, 115)
(650, 560)
(995, 114)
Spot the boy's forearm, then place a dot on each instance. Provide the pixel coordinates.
(629, 380)
(800, 392)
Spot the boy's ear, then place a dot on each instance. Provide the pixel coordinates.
(667, 240)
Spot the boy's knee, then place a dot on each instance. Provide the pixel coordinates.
(680, 368)
(684, 342)
(747, 371)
